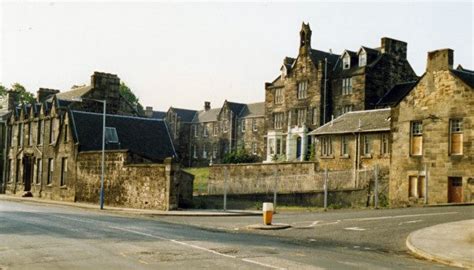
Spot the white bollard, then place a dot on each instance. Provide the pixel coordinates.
(267, 213)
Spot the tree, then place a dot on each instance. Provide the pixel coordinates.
(23, 95)
(128, 95)
(239, 156)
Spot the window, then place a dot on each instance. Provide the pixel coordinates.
(18, 170)
(416, 186)
(29, 131)
(278, 99)
(204, 131)
(384, 147)
(315, 116)
(366, 145)
(326, 146)
(111, 135)
(195, 130)
(347, 86)
(65, 133)
(254, 125)
(344, 146)
(347, 108)
(278, 120)
(39, 136)
(302, 89)
(455, 136)
(39, 170)
(51, 131)
(194, 151)
(216, 129)
(204, 151)
(20, 135)
(243, 125)
(50, 171)
(301, 120)
(278, 146)
(362, 59)
(416, 145)
(346, 61)
(254, 148)
(226, 126)
(63, 171)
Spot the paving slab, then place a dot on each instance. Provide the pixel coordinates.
(449, 243)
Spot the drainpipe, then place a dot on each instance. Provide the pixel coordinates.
(230, 132)
(325, 91)
(5, 147)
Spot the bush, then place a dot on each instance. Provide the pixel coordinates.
(239, 156)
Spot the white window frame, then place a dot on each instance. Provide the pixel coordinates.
(362, 59)
(302, 89)
(254, 125)
(346, 61)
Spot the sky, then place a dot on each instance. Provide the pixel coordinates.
(182, 54)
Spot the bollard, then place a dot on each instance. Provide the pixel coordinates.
(267, 213)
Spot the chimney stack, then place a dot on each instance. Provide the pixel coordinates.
(149, 111)
(440, 60)
(12, 97)
(44, 93)
(207, 105)
(394, 47)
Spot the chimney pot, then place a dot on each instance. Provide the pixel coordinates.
(149, 111)
(207, 105)
(440, 60)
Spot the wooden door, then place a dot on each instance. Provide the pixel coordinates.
(454, 189)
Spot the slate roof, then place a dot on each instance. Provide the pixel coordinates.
(370, 50)
(74, 93)
(370, 121)
(317, 55)
(235, 107)
(185, 114)
(206, 116)
(253, 110)
(396, 94)
(145, 137)
(465, 75)
(158, 115)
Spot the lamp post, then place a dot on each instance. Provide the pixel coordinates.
(104, 102)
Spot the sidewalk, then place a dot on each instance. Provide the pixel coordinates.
(143, 212)
(448, 243)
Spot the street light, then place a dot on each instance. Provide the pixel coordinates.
(103, 147)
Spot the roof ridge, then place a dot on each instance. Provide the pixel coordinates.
(118, 115)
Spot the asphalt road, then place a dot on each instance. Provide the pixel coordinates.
(41, 236)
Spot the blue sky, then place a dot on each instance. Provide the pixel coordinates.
(181, 54)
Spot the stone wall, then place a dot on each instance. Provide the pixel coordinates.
(284, 177)
(146, 186)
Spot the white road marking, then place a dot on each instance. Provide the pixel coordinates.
(354, 229)
(194, 246)
(409, 222)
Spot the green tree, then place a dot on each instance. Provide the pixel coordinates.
(239, 156)
(23, 95)
(127, 93)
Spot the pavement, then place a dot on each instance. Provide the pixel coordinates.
(133, 211)
(450, 243)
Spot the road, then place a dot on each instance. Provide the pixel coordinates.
(42, 236)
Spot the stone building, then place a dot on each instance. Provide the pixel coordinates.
(433, 133)
(354, 140)
(180, 122)
(53, 150)
(216, 132)
(316, 84)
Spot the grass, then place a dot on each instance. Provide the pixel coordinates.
(201, 176)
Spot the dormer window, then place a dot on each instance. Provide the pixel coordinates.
(362, 59)
(346, 61)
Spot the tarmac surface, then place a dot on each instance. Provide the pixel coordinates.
(450, 243)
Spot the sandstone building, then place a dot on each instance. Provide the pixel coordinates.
(53, 150)
(433, 135)
(317, 85)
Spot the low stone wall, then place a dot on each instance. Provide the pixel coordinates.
(146, 186)
(284, 177)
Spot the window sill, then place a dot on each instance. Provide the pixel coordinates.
(63, 187)
(345, 156)
(416, 156)
(327, 157)
(367, 156)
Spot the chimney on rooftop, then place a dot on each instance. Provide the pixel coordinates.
(44, 93)
(207, 105)
(440, 60)
(149, 111)
(394, 47)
